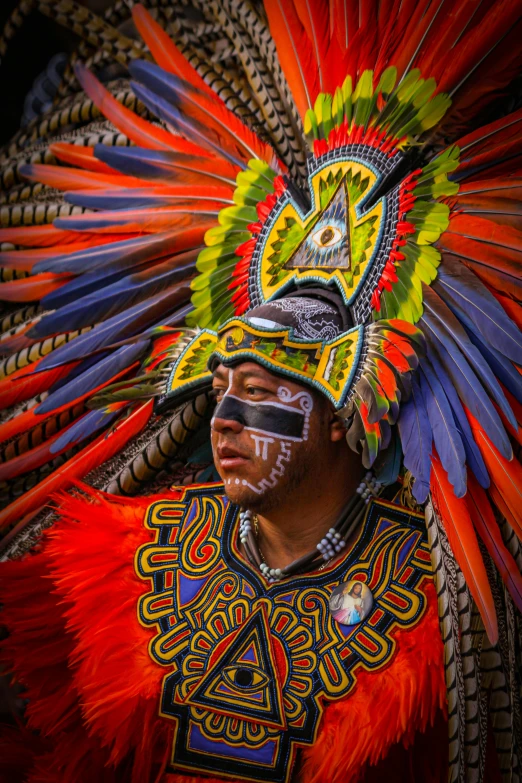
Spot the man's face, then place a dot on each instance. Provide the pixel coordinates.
(267, 433)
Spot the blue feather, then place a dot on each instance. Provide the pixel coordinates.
(98, 373)
(446, 436)
(453, 336)
(133, 220)
(460, 287)
(188, 100)
(77, 370)
(416, 439)
(119, 327)
(468, 385)
(473, 456)
(501, 366)
(153, 165)
(506, 373)
(137, 198)
(113, 255)
(83, 428)
(78, 288)
(388, 464)
(188, 127)
(124, 293)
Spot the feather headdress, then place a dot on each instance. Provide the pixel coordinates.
(259, 151)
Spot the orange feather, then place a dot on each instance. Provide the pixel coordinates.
(486, 525)
(137, 129)
(505, 475)
(165, 52)
(45, 236)
(22, 384)
(463, 541)
(26, 259)
(97, 452)
(294, 51)
(31, 289)
(83, 157)
(64, 178)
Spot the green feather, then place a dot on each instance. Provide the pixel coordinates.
(362, 98)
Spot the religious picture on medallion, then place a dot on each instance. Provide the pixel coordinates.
(351, 602)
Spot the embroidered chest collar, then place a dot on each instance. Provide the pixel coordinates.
(249, 665)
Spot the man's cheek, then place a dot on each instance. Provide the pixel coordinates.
(269, 467)
(262, 445)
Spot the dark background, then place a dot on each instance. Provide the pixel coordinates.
(28, 53)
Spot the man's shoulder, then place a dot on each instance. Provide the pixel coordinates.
(186, 495)
(194, 504)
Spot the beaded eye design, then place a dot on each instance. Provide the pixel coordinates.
(327, 236)
(245, 677)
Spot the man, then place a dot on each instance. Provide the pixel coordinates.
(250, 672)
(272, 479)
(192, 634)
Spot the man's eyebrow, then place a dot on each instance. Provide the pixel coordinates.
(262, 375)
(221, 373)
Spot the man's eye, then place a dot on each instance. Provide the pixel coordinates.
(254, 391)
(217, 393)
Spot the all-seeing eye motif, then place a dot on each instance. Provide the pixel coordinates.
(344, 239)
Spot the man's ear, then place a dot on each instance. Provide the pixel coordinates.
(337, 428)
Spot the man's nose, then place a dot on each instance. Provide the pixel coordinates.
(221, 424)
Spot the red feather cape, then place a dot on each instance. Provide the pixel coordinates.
(94, 692)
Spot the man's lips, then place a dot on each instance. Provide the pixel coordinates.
(230, 457)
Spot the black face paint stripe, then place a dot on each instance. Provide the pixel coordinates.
(266, 418)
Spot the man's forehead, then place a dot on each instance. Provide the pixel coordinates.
(251, 369)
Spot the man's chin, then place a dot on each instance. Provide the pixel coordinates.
(243, 495)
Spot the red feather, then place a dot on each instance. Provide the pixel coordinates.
(480, 40)
(26, 259)
(512, 308)
(486, 525)
(22, 384)
(506, 476)
(294, 51)
(31, 289)
(165, 52)
(491, 135)
(65, 178)
(138, 130)
(149, 221)
(316, 22)
(463, 541)
(97, 452)
(361, 738)
(79, 156)
(32, 459)
(46, 236)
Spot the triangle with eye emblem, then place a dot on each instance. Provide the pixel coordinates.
(327, 242)
(242, 681)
